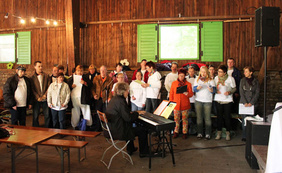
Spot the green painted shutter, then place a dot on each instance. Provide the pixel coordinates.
(23, 47)
(212, 41)
(147, 42)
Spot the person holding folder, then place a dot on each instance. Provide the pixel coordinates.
(249, 92)
(180, 92)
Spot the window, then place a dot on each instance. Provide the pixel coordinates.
(179, 42)
(7, 48)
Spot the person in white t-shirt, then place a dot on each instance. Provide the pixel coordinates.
(18, 96)
(137, 93)
(171, 77)
(204, 87)
(152, 87)
(226, 86)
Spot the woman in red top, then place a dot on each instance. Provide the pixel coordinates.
(182, 102)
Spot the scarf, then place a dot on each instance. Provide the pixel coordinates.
(221, 80)
(250, 80)
(180, 83)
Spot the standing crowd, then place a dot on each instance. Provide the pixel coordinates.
(85, 93)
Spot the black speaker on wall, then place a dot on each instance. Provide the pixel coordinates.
(267, 26)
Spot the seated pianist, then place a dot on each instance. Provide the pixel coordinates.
(120, 121)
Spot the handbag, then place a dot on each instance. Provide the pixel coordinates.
(4, 133)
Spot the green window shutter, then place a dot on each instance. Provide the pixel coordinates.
(23, 47)
(212, 41)
(147, 42)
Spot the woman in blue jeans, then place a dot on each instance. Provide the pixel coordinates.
(204, 87)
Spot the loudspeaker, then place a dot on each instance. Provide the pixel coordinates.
(257, 133)
(267, 26)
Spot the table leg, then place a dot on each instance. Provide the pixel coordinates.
(36, 153)
(62, 160)
(13, 158)
(163, 141)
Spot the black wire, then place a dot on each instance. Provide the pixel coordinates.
(207, 148)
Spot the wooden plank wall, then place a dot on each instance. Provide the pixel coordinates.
(109, 43)
(47, 44)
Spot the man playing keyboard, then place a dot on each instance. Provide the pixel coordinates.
(120, 121)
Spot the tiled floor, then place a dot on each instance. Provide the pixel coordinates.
(191, 155)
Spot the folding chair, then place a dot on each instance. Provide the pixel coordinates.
(110, 140)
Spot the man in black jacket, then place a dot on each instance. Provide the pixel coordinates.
(17, 96)
(120, 121)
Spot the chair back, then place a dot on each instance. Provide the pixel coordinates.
(104, 123)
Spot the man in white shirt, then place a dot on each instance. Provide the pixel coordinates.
(171, 77)
(17, 96)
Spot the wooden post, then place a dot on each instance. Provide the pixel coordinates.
(72, 16)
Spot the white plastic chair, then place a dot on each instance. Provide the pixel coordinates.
(110, 140)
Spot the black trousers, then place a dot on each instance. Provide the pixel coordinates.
(18, 116)
(223, 115)
(142, 134)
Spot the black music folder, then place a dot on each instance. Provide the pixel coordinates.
(182, 89)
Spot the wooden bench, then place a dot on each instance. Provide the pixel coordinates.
(63, 147)
(260, 152)
(78, 135)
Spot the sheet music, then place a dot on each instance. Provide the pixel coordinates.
(246, 110)
(166, 113)
(222, 89)
(161, 107)
(77, 79)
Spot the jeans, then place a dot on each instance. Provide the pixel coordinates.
(36, 111)
(18, 116)
(151, 105)
(203, 111)
(223, 113)
(135, 108)
(62, 118)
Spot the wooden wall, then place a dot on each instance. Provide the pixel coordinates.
(47, 44)
(109, 43)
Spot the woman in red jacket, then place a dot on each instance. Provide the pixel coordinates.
(182, 102)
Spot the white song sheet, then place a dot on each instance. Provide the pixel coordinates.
(246, 110)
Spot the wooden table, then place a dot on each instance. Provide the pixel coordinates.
(23, 139)
(78, 135)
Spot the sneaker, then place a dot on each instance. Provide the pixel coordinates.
(199, 136)
(207, 137)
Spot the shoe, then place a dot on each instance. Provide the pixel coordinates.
(175, 135)
(130, 152)
(199, 136)
(207, 137)
(184, 136)
(227, 135)
(244, 139)
(218, 135)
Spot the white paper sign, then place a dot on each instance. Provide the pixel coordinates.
(246, 110)
(77, 79)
